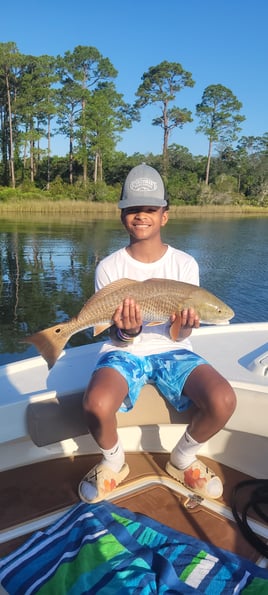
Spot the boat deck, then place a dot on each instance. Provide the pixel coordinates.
(41, 489)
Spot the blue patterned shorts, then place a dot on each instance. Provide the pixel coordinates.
(168, 371)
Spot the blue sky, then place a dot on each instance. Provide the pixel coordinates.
(217, 41)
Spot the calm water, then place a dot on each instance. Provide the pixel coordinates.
(47, 269)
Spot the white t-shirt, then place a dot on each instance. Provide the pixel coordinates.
(174, 264)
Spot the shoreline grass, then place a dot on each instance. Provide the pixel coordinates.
(101, 209)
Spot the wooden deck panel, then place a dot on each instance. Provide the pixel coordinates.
(35, 490)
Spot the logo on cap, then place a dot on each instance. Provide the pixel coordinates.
(143, 185)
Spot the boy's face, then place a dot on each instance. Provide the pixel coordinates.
(144, 222)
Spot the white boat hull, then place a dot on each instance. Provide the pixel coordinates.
(239, 352)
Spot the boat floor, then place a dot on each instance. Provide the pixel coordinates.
(39, 489)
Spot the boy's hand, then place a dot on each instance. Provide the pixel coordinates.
(189, 319)
(183, 323)
(128, 316)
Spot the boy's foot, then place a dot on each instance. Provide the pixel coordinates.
(198, 478)
(100, 481)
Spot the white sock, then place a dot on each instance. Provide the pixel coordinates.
(185, 451)
(113, 458)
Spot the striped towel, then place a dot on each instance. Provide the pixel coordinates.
(102, 548)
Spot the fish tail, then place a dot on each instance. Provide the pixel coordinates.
(50, 342)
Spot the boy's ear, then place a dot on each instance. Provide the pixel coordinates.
(164, 218)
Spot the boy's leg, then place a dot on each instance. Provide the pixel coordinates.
(214, 401)
(103, 397)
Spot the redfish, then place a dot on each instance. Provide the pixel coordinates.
(158, 299)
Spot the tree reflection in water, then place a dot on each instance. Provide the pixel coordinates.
(47, 268)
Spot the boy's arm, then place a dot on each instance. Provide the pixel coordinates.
(182, 324)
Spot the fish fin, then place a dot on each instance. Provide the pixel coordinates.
(99, 328)
(115, 285)
(49, 342)
(108, 290)
(155, 280)
(175, 328)
(155, 322)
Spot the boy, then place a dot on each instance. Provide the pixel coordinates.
(138, 354)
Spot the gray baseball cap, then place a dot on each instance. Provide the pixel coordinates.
(143, 187)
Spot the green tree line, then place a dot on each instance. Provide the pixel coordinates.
(75, 96)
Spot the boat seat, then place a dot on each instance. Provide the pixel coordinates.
(60, 418)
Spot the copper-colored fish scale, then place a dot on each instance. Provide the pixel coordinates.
(158, 299)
